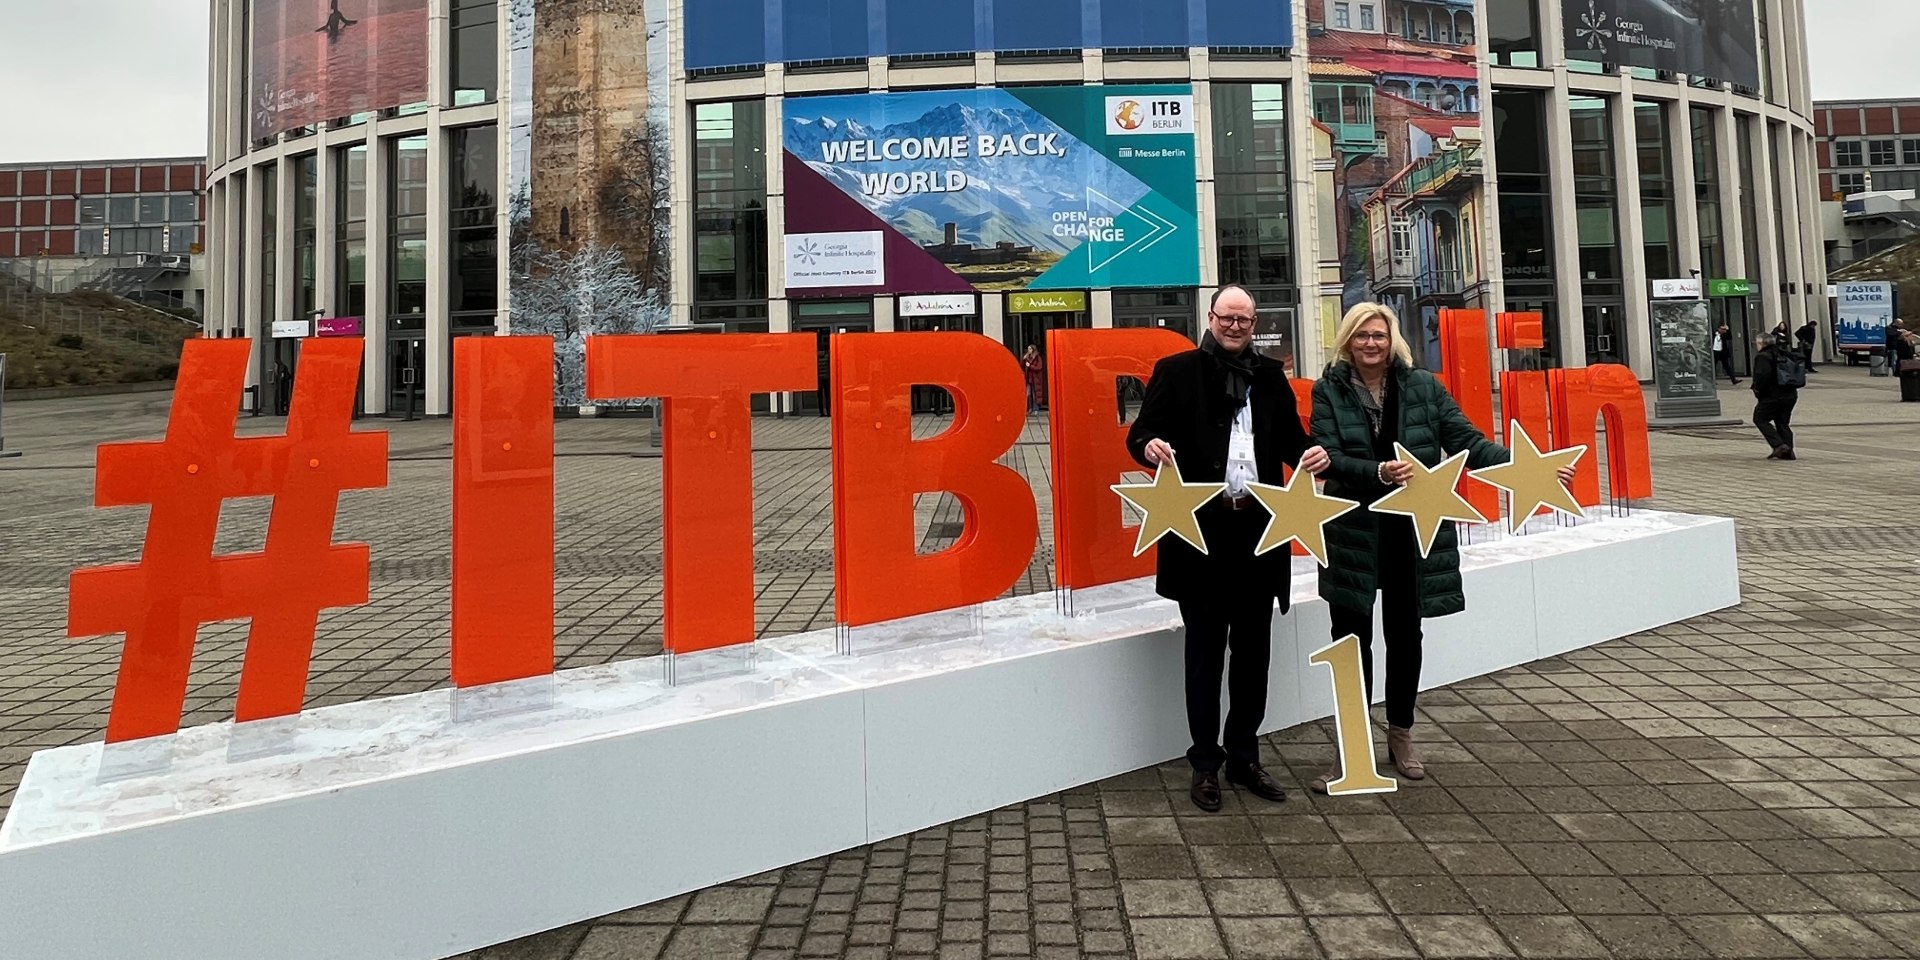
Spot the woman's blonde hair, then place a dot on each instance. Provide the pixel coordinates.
(1360, 314)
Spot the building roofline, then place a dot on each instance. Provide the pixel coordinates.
(113, 162)
(1870, 102)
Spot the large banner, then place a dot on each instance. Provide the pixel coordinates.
(1399, 154)
(1865, 311)
(948, 191)
(1702, 38)
(314, 60)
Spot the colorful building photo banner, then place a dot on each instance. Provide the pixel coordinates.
(314, 60)
(949, 191)
(1702, 38)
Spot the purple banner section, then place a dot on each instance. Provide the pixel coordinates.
(825, 208)
(337, 327)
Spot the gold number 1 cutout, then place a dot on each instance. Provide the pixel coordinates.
(1357, 775)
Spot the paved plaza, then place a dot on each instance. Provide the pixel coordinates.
(1746, 784)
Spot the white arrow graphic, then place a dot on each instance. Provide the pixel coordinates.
(1160, 228)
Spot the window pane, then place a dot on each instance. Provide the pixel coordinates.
(181, 208)
(93, 210)
(122, 210)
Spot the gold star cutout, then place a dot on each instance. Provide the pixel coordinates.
(1170, 505)
(1299, 512)
(1429, 497)
(1531, 478)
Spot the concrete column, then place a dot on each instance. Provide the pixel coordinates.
(680, 175)
(1100, 309)
(779, 320)
(379, 268)
(1207, 221)
(1794, 220)
(325, 234)
(440, 93)
(1636, 323)
(883, 315)
(219, 82)
(776, 199)
(285, 306)
(1812, 255)
(993, 317)
(1766, 219)
(1571, 335)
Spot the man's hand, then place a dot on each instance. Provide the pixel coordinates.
(1396, 472)
(1159, 451)
(1565, 474)
(1315, 460)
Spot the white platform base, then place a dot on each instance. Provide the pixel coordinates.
(394, 829)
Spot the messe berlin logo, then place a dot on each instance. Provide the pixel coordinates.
(807, 251)
(1128, 116)
(1593, 27)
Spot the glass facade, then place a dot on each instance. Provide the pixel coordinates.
(1656, 190)
(1595, 196)
(1749, 213)
(350, 232)
(473, 290)
(1513, 32)
(306, 231)
(407, 233)
(269, 245)
(1706, 191)
(730, 211)
(1526, 211)
(1250, 186)
(476, 77)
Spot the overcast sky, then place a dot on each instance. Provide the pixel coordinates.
(128, 78)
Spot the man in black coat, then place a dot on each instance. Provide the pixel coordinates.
(1230, 417)
(1774, 401)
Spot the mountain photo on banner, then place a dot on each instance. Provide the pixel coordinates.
(1005, 189)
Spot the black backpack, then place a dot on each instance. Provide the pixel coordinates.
(1789, 371)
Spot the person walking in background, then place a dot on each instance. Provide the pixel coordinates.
(1807, 334)
(1723, 351)
(1777, 379)
(1230, 416)
(1035, 369)
(1370, 397)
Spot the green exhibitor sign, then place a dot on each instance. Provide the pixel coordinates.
(1729, 288)
(1061, 302)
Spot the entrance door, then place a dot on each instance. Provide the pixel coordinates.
(823, 319)
(282, 356)
(1031, 328)
(1605, 342)
(406, 377)
(935, 400)
(1547, 358)
(1742, 328)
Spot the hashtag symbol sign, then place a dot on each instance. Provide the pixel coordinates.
(179, 582)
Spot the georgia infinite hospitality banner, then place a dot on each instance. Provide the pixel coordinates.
(1702, 38)
(950, 191)
(315, 60)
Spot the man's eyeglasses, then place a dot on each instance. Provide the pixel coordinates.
(1227, 321)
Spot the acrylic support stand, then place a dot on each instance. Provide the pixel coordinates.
(425, 825)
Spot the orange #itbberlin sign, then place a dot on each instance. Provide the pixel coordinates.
(503, 488)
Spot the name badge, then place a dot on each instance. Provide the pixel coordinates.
(1240, 446)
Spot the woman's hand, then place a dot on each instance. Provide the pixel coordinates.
(1315, 461)
(1565, 474)
(1159, 451)
(1396, 472)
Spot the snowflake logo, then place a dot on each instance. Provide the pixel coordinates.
(808, 252)
(1593, 27)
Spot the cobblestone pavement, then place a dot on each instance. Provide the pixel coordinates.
(1746, 784)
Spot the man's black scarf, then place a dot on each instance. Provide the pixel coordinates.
(1237, 367)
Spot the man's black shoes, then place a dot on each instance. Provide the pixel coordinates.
(1255, 780)
(1206, 790)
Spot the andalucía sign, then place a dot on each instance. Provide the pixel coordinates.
(1043, 188)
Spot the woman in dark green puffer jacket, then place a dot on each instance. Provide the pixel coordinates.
(1368, 398)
